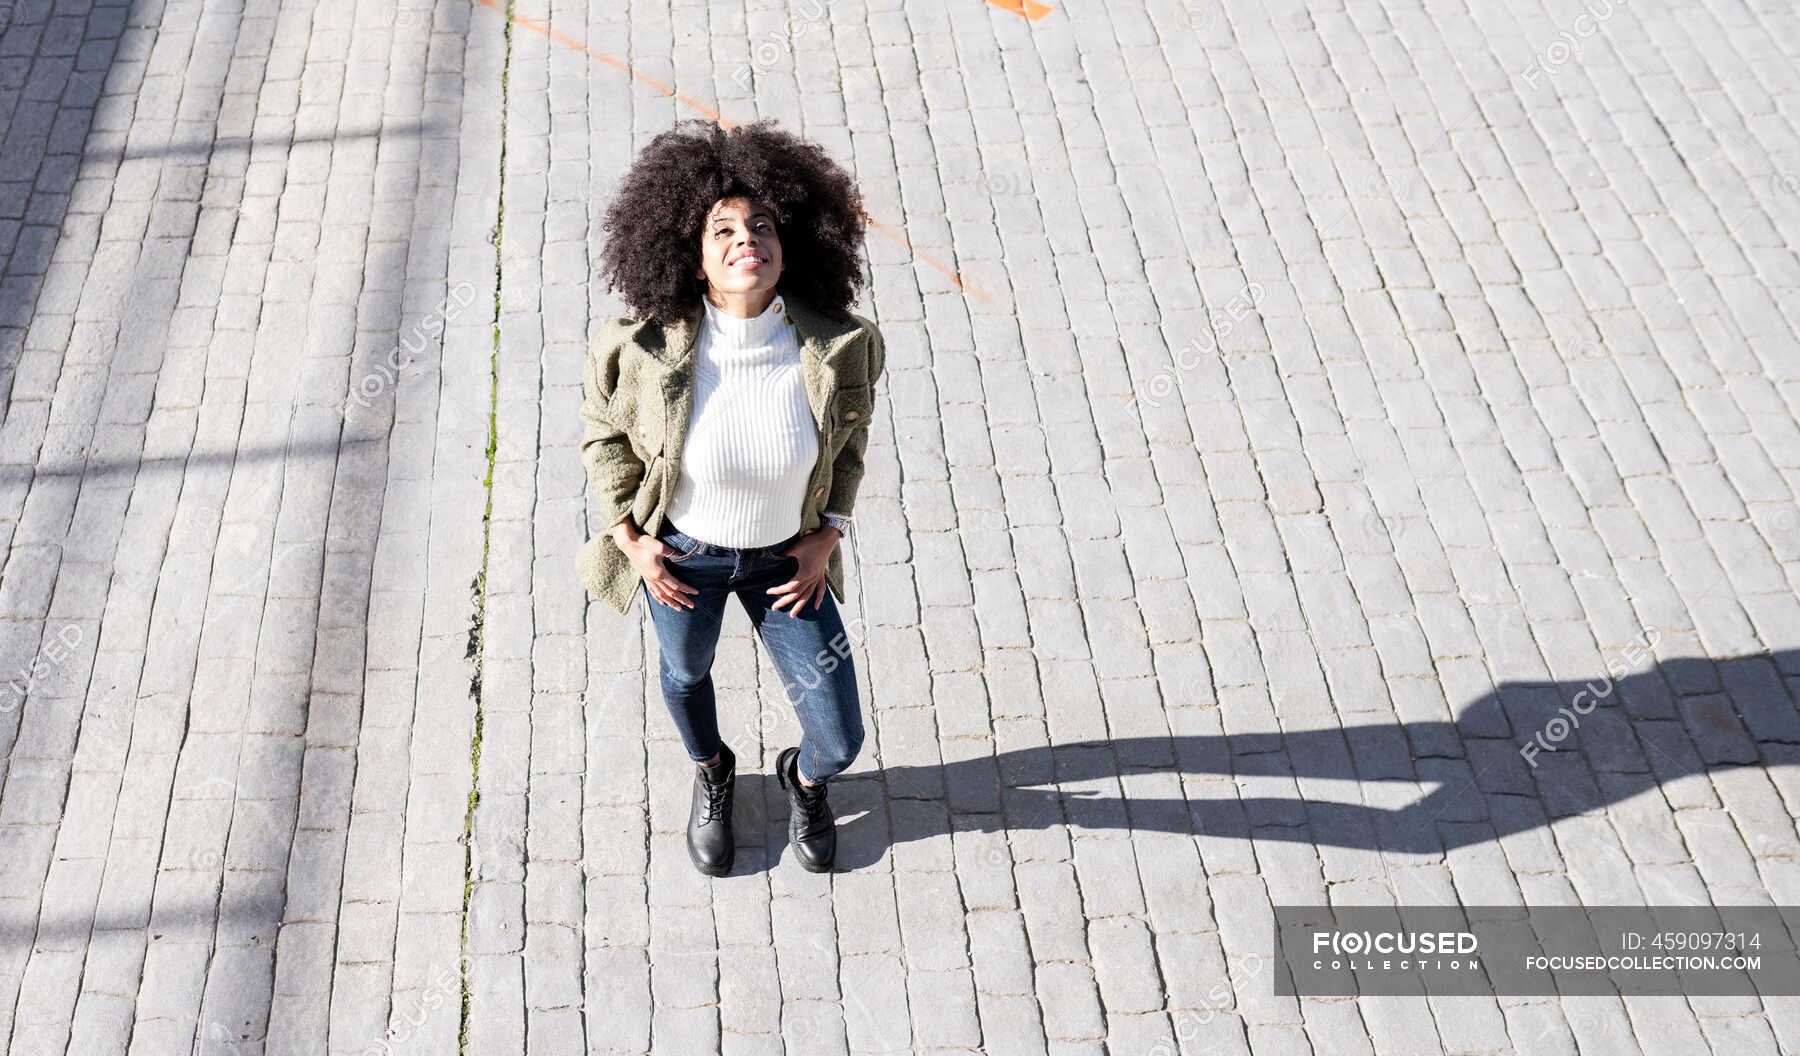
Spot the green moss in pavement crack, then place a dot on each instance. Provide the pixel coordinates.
(477, 636)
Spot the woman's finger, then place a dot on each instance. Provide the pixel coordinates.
(674, 590)
(797, 599)
(793, 603)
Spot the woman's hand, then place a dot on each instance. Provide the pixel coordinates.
(646, 553)
(808, 585)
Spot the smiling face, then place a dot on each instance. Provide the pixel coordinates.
(740, 253)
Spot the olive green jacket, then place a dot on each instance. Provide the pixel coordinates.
(638, 390)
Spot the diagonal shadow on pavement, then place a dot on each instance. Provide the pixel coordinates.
(129, 467)
(1515, 760)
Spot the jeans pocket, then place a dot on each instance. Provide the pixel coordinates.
(686, 544)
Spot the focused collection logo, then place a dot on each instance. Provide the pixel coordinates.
(1349, 943)
(1536, 951)
(1377, 950)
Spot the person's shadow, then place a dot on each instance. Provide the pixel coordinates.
(1516, 759)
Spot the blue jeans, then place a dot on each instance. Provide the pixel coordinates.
(810, 650)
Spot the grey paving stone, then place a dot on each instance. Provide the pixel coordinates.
(1305, 377)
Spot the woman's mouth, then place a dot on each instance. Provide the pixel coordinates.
(749, 262)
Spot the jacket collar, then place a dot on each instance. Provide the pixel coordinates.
(821, 336)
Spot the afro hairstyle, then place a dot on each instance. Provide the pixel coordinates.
(653, 225)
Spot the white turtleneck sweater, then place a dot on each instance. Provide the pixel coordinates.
(751, 441)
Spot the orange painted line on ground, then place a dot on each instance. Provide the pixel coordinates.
(618, 64)
(946, 269)
(1028, 8)
(625, 67)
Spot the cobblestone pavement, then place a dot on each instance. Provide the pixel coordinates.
(1331, 392)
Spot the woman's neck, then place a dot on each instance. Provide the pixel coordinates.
(741, 305)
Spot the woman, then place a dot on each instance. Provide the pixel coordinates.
(724, 437)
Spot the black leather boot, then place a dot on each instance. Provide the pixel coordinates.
(709, 839)
(812, 829)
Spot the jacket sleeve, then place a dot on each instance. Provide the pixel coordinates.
(847, 470)
(613, 468)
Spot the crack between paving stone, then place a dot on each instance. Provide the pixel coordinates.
(478, 587)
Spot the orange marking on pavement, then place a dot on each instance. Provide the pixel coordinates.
(1028, 8)
(946, 269)
(625, 67)
(618, 64)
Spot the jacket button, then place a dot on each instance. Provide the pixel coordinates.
(850, 416)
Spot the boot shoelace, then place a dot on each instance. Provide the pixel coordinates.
(811, 798)
(716, 794)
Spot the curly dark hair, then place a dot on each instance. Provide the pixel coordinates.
(653, 225)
